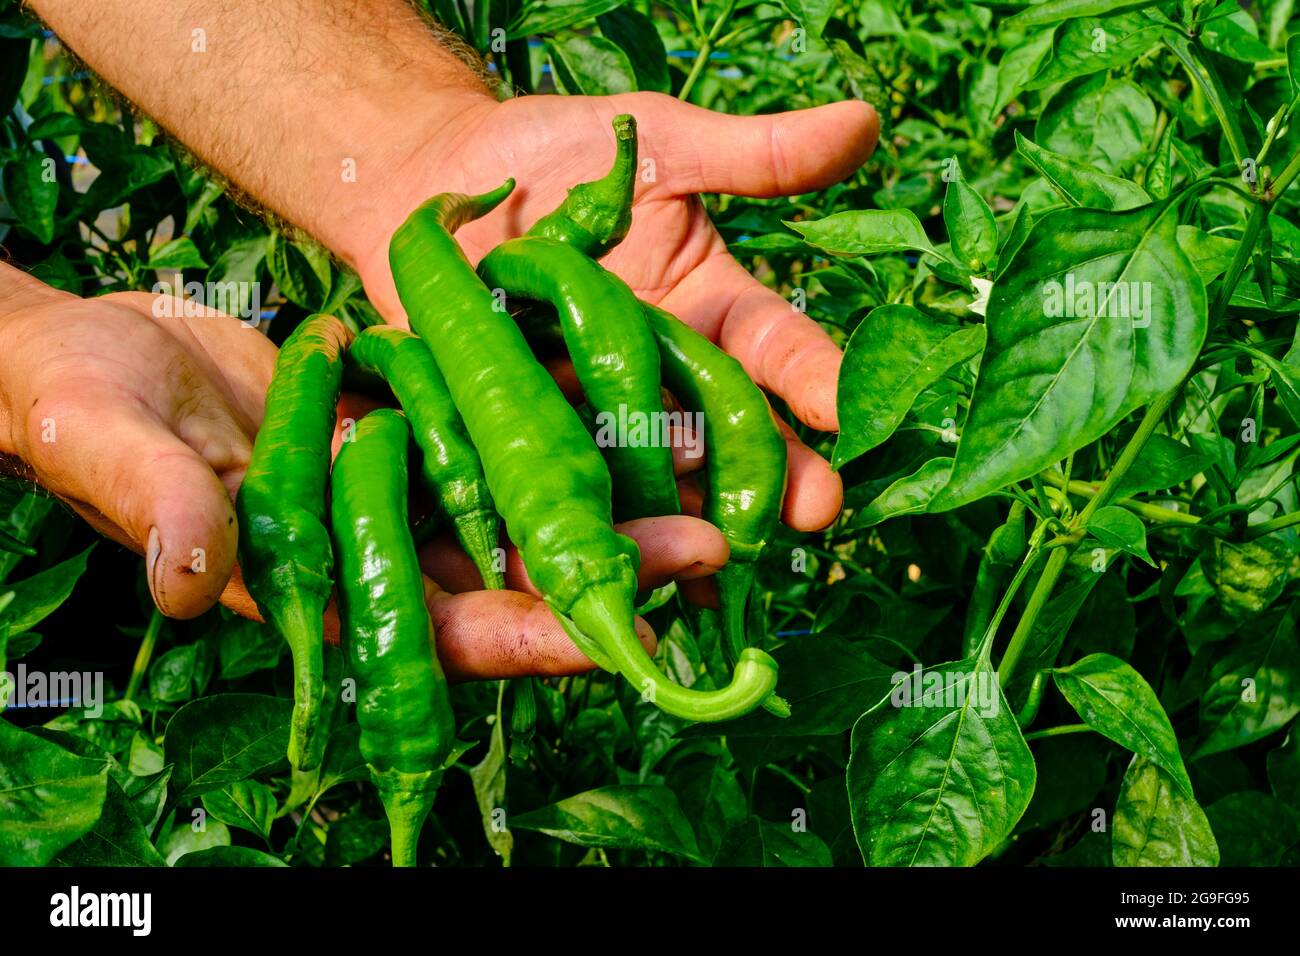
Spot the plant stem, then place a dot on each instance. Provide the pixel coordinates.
(1268, 527)
(144, 655)
(1031, 555)
(1254, 225)
(1278, 186)
(1144, 508)
(1057, 731)
(1056, 563)
(705, 51)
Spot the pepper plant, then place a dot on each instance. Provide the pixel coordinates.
(1055, 622)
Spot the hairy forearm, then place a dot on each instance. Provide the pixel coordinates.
(308, 107)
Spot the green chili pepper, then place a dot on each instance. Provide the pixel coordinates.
(403, 707)
(548, 479)
(614, 356)
(745, 462)
(284, 547)
(451, 467)
(595, 216)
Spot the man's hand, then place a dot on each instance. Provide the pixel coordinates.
(673, 256)
(141, 413)
(341, 118)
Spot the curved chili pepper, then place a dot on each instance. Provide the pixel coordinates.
(284, 547)
(548, 479)
(745, 457)
(403, 707)
(451, 468)
(594, 217)
(614, 356)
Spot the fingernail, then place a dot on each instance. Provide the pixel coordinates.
(153, 551)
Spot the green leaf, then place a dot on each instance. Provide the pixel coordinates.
(551, 16)
(1100, 121)
(1247, 576)
(1056, 372)
(1114, 700)
(811, 14)
(489, 780)
(225, 738)
(970, 225)
(39, 596)
(33, 193)
(184, 838)
(245, 804)
(235, 273)
(635, 34)
(1156, 824)
(631, 816)
(117, 839)
(356, 836)
(1018, 65)
(301, 271)
(758, 842)
(939, 780)
(1117, 528)
(54, 126)
(15, 53)
(909, 495)
(1254, 690)
(1080, 49)
(228, 856)
(49, 797)
(1253, 828)
(179, 253)
(179, 674)
(1163, 463)
(591, 66)
(829, 683)
(894, 354)
(865, 232)
(1078, 184)
(1052, 11)
(245, 647)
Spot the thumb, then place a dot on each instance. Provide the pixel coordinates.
(781, 154)
(140, 484)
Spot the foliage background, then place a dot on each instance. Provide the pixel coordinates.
(1132, 741)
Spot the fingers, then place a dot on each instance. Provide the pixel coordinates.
(780, 154)
(497, 634)
(814, 493)
(672, 547)
(144, 480)
(676, 547)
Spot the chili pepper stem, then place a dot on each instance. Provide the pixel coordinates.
(477, 533)
(734, 580)
(407, 799)
(303, 630)
(603, 613)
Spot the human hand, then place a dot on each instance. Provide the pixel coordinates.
(142, 419)
(673, 256)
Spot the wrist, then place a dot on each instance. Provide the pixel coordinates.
(20, 291)
(425, 159)
(412, 139)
